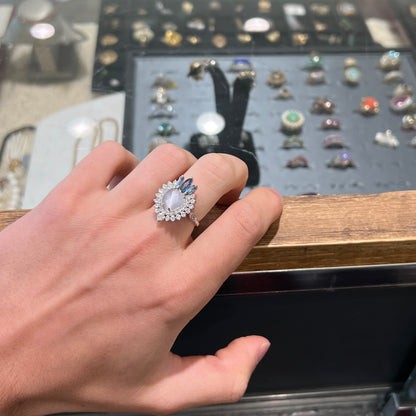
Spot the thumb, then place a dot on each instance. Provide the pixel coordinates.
(212, 379)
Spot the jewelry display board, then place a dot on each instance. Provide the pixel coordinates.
(377, 168)
(227, 27)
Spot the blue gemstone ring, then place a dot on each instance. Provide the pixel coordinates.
(175, 200)
(240, 64)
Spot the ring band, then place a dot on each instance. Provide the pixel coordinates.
(175, 200)
(194, 219)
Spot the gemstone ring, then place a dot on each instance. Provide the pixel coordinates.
(401, 103)
(369, 106)
(292, 121)
(352, 75)
(175, 200)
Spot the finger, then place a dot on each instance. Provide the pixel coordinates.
(166, 163)
(216, 176)
(105, 162)
(206, 380)
(219, 250)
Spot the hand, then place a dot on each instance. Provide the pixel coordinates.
(95, 290)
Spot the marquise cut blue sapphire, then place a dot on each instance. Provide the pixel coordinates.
(186, 186)
(180, 181)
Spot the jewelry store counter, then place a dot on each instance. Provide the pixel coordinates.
(339, 231)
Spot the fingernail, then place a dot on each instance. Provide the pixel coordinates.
(262, 351)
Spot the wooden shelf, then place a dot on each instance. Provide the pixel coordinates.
(328, 231)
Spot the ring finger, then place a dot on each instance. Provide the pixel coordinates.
(218, 177)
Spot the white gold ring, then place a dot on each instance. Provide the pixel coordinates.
(175, 200)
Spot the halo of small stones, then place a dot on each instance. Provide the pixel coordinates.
(290, 125)
(178, 213)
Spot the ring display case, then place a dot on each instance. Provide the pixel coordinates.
(351, 155)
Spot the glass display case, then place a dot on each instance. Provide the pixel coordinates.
(316, 97)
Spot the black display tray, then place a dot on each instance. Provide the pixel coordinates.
(332, 32)
(378, 168)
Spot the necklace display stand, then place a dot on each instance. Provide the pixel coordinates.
(232, 139)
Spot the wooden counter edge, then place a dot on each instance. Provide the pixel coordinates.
(327, 231)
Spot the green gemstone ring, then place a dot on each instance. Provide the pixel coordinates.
(292, 120)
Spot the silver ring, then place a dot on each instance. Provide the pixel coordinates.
(193, 218)
(176, 200)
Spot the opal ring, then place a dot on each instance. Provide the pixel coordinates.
(175, 200)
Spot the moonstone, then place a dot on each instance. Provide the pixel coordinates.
(173, 199)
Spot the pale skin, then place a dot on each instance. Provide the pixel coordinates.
(94, 291)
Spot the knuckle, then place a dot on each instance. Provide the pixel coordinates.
(234, 384)
(114, 152)
(248, 221)
(62, 202)
(108, 151)
(111, 148)
(237, 390)
(171, 155)
(218, 166)
(167, 148)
